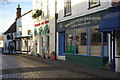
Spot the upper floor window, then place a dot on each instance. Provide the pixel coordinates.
(67, 7)
(94, 3)
(115, 2)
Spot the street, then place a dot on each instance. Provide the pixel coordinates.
(15, 66)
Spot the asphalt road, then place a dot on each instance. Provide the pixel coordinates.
(14, 67)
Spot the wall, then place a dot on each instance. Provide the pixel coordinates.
(18, 33)
(79, 8)
(50, 18)
(91, 61)
(27, 24)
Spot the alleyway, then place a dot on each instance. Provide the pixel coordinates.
(14, 66)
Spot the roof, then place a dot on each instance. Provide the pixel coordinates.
(27, 13)
(11, 29)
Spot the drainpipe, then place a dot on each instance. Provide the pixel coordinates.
(56, 17)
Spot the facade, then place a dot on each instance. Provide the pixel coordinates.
(24, 30)
(77, 29)
(112, 30)
(44, 28)
(18, 30)
(27, 32)
(9, 39)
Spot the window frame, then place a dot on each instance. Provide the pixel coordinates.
(93, 5)
(67, 10)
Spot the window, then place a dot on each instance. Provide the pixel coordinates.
(95, 41)
(29, 32)
(81, 41)
(94, 3)
(105, 40)
(67, 7)
(117, 33)
(70, 41)
(115, 2)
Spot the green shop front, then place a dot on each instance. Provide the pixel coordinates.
(81, 43)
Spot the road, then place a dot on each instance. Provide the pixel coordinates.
(14, 66)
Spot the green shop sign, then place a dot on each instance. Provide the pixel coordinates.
(82, 21)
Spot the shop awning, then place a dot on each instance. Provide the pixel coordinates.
(110, 22)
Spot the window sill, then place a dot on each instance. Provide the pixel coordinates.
(68, 15)
(93, 6)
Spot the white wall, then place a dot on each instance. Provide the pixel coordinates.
(18, 23)
(1, 43)
(51, 19)
(80, 8)
(27, 24)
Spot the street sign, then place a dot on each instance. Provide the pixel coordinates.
(31, 33)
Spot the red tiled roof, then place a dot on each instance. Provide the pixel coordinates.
(11, 29)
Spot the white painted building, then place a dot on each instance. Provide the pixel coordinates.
(44, 27)
(18, 30)
(77, 32)
(24, 30)
(27, 32)
(9, 39)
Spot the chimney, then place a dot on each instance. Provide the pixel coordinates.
(18, 13)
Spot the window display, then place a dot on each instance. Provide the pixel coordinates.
(81, 41)
(105, 37)
(95, 41)
(70, 41)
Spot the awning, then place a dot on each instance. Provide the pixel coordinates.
(110, 22)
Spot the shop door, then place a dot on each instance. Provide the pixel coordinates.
(117, 55)
(47, 44)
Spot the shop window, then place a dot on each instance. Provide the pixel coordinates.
(118, 42)
(40, 31)
(95, 41)
(70, 41)
(83, 38)
(81, 41)
(67, 7)
(35, 32)
(105, 37)
(94, 3)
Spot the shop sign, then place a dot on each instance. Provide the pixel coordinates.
(83, 21)
(31, 33)
(42, 23)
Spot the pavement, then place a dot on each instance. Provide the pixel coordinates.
(15, 67)
(100, 73)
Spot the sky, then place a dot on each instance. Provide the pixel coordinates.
(8, 12)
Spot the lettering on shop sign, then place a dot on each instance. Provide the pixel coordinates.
(42, 23)
(82, 21)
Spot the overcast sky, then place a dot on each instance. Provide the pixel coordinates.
(8, 12)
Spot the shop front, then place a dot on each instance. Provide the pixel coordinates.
(110, 24)
(42, 39)
(80, 42)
